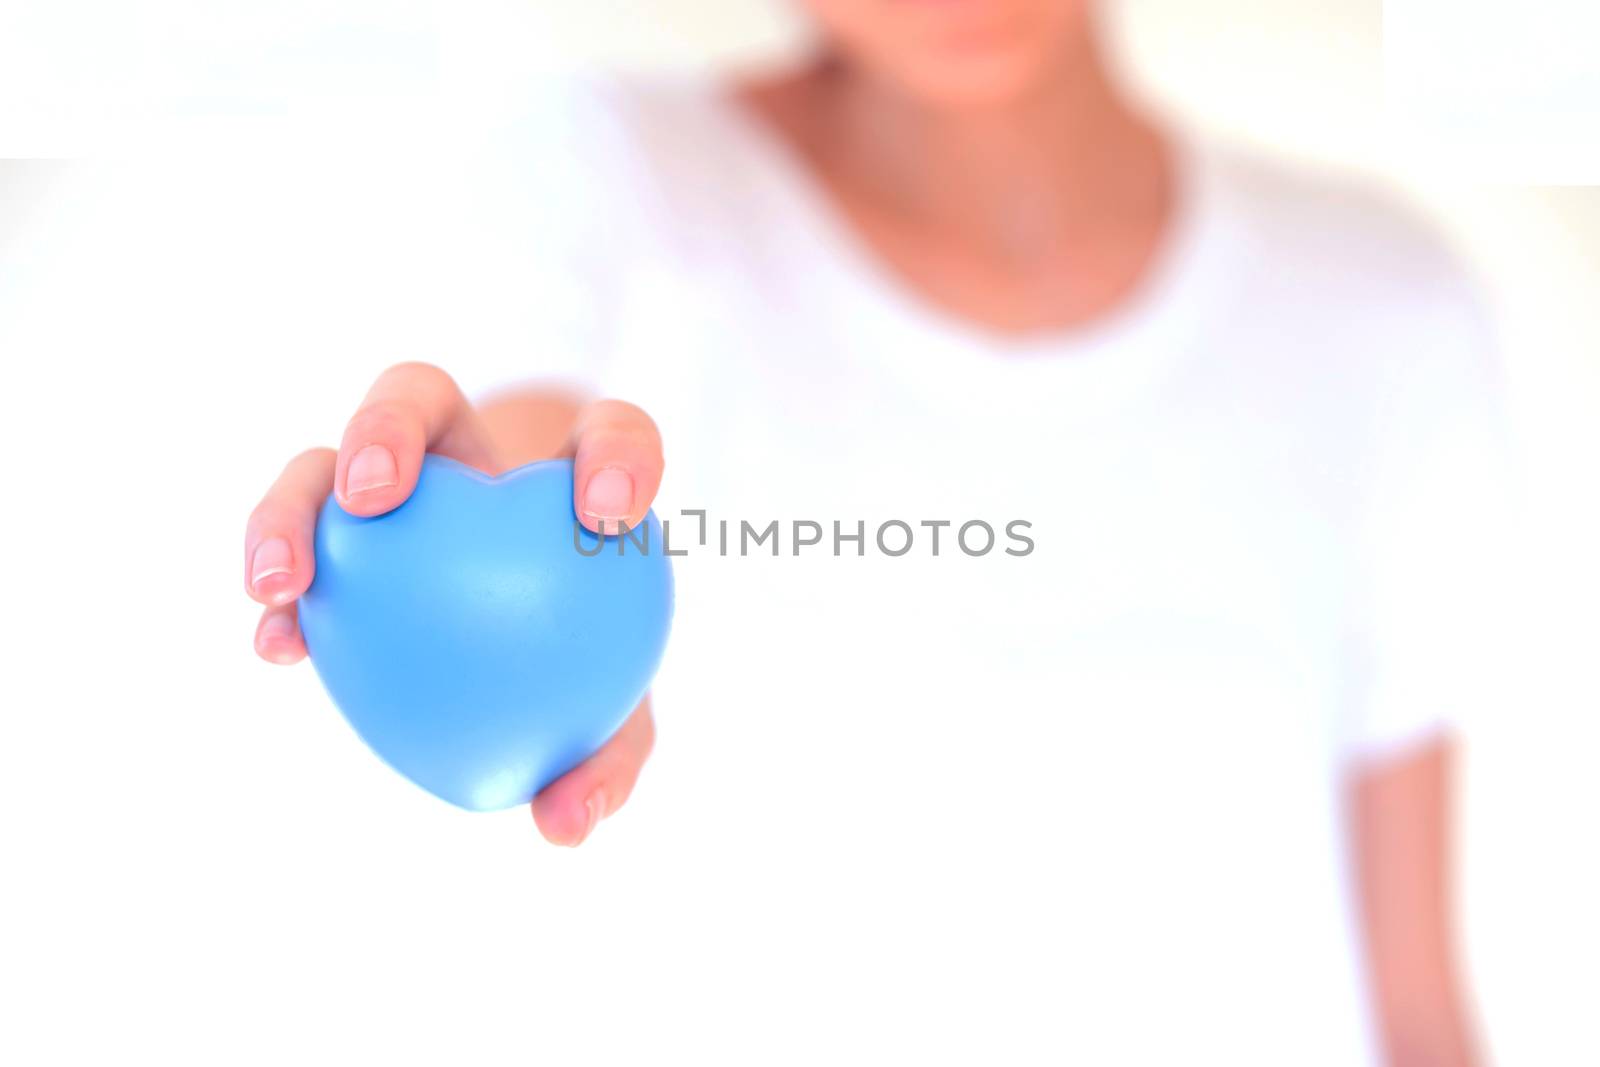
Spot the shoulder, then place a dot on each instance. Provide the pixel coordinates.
(1350, 274)
(1341, 236)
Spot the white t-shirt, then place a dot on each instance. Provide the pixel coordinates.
(1076, 805)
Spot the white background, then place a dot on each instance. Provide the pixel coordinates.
(203, 862)
(1502, 90)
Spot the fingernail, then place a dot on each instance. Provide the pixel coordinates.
(272, 556)
(278, 625)
(275, 640)
(371, 468)
(609, 494)
(596, 806)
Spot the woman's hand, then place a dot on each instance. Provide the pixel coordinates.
(415, 408)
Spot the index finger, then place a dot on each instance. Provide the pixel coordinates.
(412, 408)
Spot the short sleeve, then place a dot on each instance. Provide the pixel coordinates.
(1437, 534)
(546, 201)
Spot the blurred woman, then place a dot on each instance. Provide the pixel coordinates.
(1170, 785)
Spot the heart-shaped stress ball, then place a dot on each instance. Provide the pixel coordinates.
(474, 641)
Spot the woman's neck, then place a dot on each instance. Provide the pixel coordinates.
(1057, 162)
(1036, 212)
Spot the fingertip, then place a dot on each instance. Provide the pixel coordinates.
(277, 590)
(617, 466)
(278, 639)
(370, 480)
(380, 458)
(565, 815)
(273, 573)
(282, 656)
(570, 808)
(607, 500)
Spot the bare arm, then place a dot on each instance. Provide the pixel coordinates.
(1400, 819)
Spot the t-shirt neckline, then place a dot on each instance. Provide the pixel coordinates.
(1152, 325)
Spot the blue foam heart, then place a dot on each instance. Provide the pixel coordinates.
(468, 639)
